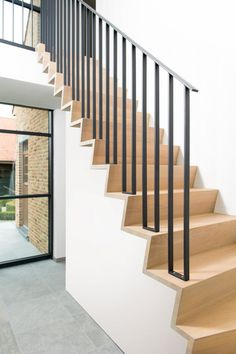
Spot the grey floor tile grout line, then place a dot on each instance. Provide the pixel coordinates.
(38, 316)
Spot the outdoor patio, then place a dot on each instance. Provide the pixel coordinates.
(12, 244)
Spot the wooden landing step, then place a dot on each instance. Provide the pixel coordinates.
(221, 315)
(205, 265)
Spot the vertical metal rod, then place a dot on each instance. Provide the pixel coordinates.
(77, 50)
(82, 62)
(134, 111)
(171, 177)
(100, 79)
(41, 21)
(73, 14)
(32, 23)
(88, 46)
(48, 25)
(124, 148)
(61, 37)
(157, 150)
(94, 77)
(186, 184)
(52, 17)
(64, 43)
(22, 20)
(69, 41)
(3, 19)
(57, 33)
(115, 98)
(107, 93)
(13, 21)
(144, 144)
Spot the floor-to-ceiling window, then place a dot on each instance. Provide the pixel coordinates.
(25, 184)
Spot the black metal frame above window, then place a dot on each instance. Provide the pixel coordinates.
(48, 195)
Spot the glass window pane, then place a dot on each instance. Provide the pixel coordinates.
(23, 228)
(23, 164)
(24, 119)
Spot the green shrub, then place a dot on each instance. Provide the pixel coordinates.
(7, 216)
(10, 207)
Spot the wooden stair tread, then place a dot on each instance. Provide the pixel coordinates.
(196, 221)
(203, 266)
(162, 192)
(217, 318)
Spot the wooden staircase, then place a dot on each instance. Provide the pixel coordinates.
(205, 308)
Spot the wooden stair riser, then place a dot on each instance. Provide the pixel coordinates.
(202, 238)
(199, 296)
(99, 153)
(68, 99)
(115, 177)
(75, 108)
(223, 343)
(51, 71)
(201, 201)
(45, 62)
(87, 131)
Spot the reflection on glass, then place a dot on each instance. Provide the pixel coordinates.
(23, 228)
(23, 164)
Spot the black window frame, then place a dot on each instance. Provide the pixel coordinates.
(49, 195)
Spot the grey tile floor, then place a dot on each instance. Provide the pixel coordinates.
(12, 244)
(37, 315)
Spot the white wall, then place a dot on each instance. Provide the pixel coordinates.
(104, 267)
(59, 184)
(195, 39)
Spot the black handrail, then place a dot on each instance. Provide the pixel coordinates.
(144, 51)
(70, 31)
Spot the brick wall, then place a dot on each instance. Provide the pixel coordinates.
(36, 27)
(36, 121)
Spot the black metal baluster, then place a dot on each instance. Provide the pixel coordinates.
(115, 98)
(171, 177)
(61, 37)
(77, 50)
(82, 62)
(144, 144)
(124, 138)
(3, 19)
(64, 43)
(50, 27)
(57, 34)
(134, 112)
(52, 16)
(73, 13)
(88, 46)
(22, 21)
(107, 93)
(100, 79)
(157, 151)
(13, 21)
(186, 184)
(94, 77)
(32, 23)
(69, 42)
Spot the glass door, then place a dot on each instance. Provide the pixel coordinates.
(25, 185)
